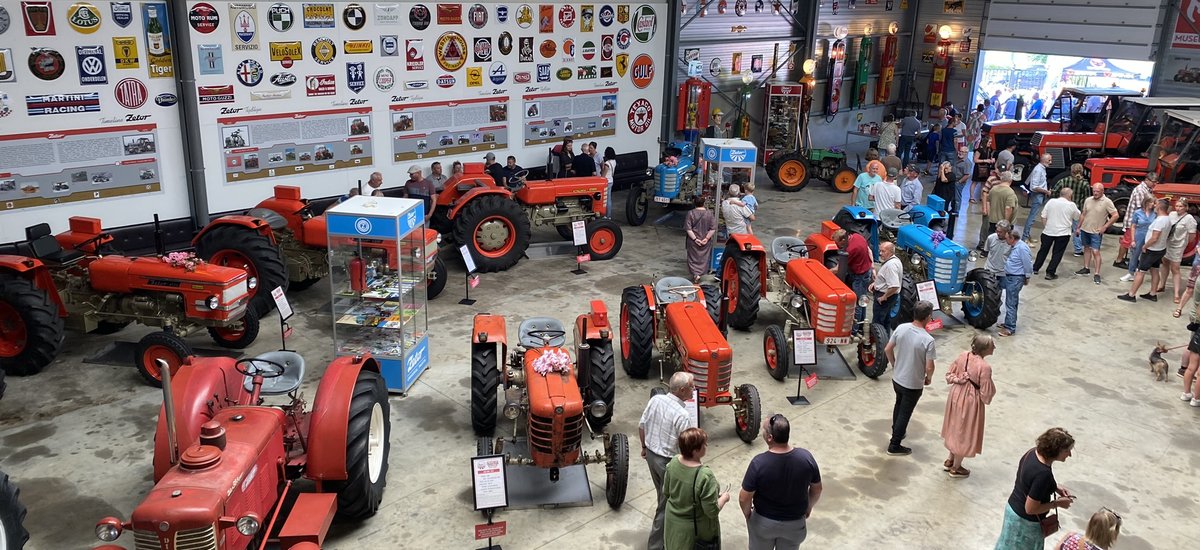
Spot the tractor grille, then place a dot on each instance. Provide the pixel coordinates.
(203, 538)
(541, 434)
(700, 371)
(827, 317)
(1037, 139)
(950, 270)
(668, 183)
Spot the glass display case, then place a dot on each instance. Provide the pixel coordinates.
(784, 108)
(726, 161)
(378, 248)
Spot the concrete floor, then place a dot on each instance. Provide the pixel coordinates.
(77, 437)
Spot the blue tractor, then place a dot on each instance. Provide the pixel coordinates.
(671, 185)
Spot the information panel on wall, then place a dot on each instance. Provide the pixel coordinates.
(582, 115)
(440, 128)
(268, 146)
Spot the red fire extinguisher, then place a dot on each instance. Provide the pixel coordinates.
(358, 275)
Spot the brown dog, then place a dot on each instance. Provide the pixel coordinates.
(1158, 365)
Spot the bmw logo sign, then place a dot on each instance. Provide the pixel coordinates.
(362, 225)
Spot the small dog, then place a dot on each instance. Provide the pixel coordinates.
(1158, 365)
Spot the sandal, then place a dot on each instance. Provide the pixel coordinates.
(960, 473)
(1178, 312)
(947, 465)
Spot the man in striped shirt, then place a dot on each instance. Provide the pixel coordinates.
(1143, 191)
(663, 420)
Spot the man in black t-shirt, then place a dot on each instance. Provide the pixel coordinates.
(494, 169)
(584, 165)
(779, 491)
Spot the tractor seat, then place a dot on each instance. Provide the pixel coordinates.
(272, 217)
(890, 218)
(534, 324)
(45, 247)
(779, 249)
(293, 373)
(664, 296)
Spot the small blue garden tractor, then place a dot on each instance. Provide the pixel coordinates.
(674, 183)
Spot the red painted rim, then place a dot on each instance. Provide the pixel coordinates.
(508, 243)
(158, 351)
(231, 332)
(770, 352)
(624, 331)
(602, 241)
(730, 277)
(13, 335)
(867, 350)
(742, 425)
(233, 258)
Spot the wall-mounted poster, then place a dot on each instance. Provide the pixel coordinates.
(157, 31)
(424, 130)
(953, 6)
(585, 114)
(286, 144)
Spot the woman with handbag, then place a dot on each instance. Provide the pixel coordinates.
(694, 500)
(1101, 534)
(1027, 518)
(971, 390)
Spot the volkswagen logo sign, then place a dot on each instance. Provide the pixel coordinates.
(362, 225)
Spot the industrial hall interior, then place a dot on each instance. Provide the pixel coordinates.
(650, 275)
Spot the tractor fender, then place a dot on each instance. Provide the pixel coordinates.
(201, 387)
(474, 194)
(330, 415)
(488, 328)
(34, 270)
(750, 245)
(249, 222)
(598, 327)
(819, 244)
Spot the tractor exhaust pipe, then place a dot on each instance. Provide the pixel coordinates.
(1153, 153)
(723, 315)
(159, 247)
(168, 404)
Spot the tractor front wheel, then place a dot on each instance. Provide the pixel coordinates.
(495, 230)
(792, 173)
(637, 332)
(843, 180)
(13, 535)
(617, 470)
(237, 246)
(983, 313)
(368, 444)
(602, 383)
(239, 334)
(637, 205)
(484, 446)
(160, 345)
(437, 278)
(775, 352)
(31, 332)
(741, 276)
(872, 361)
(604, 239)
(485, 379)
(749, 415)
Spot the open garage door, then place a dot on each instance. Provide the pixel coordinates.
(1116, 29)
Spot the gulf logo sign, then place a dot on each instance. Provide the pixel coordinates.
(642, 71)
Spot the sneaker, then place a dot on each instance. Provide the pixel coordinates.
(1079, 253)
(1035, 272)
(1180, 374)
(1148, 296)
(1185, 397)
(1051, 276)
(1123, 264)
(1004, 332)
(1194, 402)
(1096, 279)
(1126, 278)
(1083, 271)
(1126, 297)
(901, 450)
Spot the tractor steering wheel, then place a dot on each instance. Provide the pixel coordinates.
(517, 180)
(306, 210)
(800, 248)
(684, 291)
(546, 335)
(92, 241)
(255, 369)
(910, 215)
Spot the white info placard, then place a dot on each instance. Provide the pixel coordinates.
(927, 292)
(490, 481)
(578, 233)
(804, 344)
(281, 303)
(467, 258)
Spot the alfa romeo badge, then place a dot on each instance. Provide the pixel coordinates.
(46, 63)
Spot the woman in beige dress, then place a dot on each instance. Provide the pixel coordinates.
(971, 389)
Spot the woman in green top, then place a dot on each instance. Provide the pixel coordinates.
(694, 500)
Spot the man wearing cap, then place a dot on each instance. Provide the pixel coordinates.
(417, 187)
(494, 169)
(887, 194)
(716, 128)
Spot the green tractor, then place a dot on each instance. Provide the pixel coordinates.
(791, 170)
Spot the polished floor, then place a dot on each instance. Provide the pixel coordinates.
(78, 437)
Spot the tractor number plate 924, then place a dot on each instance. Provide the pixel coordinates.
(663, 200)
(837, 341)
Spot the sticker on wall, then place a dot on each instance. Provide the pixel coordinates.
(356, 47)
(606, 47)
(566, 16)
(735, 64)
(739, 8)
(318, 16)
(384, 79)
(419, 17)
(354, 16)
(543, 72)
(270, 95)
(483, 50)
(244, 27)
(83, 17)
(504, 43)
(280, 17)
(208, 58)
(445, 81)
(497, 73)
(588, 50)
(208, 95)
(58, 104)
(756, 63)
(8, 71)
(323, 50)
(606, 72)
(563, 74)
(286, 53)
(525, 49)
(714, 67)
(641, 114)
(524, 16)
(889, 5)
(122, 13)
(166, 99)
(622, 64)
(249, 72)
(39, 20)
(204, 18)
(587, 72)
(125, 52)
(451, 51)
(316, 85)
(387, 14)
(953, 6)
(416, 84)
(389, 45)
(283, 79)
(548, 48)
(587, 17)
(568, 50)
(46, 64)
(414, 54)
(623, 13)
(356, 76)
(645, 23)
(722, 7)
(160, 61)
(5, 20)
(91, 65)
(474, 77)
(642, 71)
(624, 38)
(607, 15)
(545, 18)
(501, 14)
(449, 14)
(477, 16)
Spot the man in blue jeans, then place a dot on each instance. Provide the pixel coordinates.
(887, 283)
(858, 256)
(909, 128)
(1017, 271)
(1039, 192)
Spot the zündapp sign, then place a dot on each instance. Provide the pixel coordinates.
(1187, 25)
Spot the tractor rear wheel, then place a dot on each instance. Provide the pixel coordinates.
(368, 444)
(566, 232)
(604, 239)
(712, 302)
(31, 332)
(908, 300)
(237, 335)
(485, 379)
(437, 278)
(243, 248)
(749, 417)
(637, 205)
(741, 277)
(495, 230)
(775, 352)
(872, 361)
(617, 470)
(792, 173)
(772, 166)
(843, 180)
(602, 383)
(1121, 202)
(160, 345)
(13, 535)
(637, 332)
(984, 313)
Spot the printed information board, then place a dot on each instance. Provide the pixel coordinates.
(421, 130)
(276, 145)
(585, 114)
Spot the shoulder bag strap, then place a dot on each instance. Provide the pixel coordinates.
(695, 505)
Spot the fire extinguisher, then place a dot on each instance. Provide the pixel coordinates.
(358, 275)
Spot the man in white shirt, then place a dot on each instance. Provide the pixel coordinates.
(1039, 192)
(736, 214)
(1058, 217)
(886, 193)
(887, 283)
(663, 420)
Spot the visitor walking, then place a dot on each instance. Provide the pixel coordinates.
(975, 122)
(911, 352)
(996, 250)
(1080, 191)
(780, 490)
(1101, 533)
(1017, 271)
(1098, 214)
(1039, 193)
(700, 226)
(983, 168)
(864, 184)
(1058, 217)
(1183, 228)
(1152, 254)
(664, 419)
(887, 284)
(1032, 497)
(1191, 385)
(949, 135)
(971, 390)
(1137, 227)
(1143, 191)
(858, 261)
(909, 128)
(694, 498)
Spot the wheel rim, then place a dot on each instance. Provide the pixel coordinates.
(159, 351)
(844, 181)
(743, 413)
(231, 332)
(791, 173)
(233, 258)
(375, 442)
(494, 236)
(13, 334)
(866, 350)
(729, 274)
(602, 241)
(771, 352)
(624, 331)
(973, 307)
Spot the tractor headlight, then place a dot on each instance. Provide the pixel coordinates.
(247, 525)
(598, 408)
(108, 529)
(916, 260)
(213, 302)
(252, 283)
(972, 256)
(797, 302)
(864, 300)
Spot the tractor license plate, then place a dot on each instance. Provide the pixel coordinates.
(663, 200)
(837, 341)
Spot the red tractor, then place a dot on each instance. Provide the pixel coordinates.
(555, 395)
(680, 320)
(52, 282)
(13, 535)
(494, 221)
(234, 477)
(284, 242)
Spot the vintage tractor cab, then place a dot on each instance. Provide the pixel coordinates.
(52, 282)
(928, 255)
(555, 395)
(225, 462)
(675, 183)
(680, 320)
(13, 535)
(495, 222)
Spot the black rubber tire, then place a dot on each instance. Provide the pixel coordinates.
(878, 338)
(745, 291)
(12, 515)
(908, 300)
(485, 379)
(437, 278)
(1120, 200)
(104, 328)
(617, 471)
(772, 166)
(747, 428)
(267, 259)
(712, 302)
(484, 446)
(774, 340)
(249, 332)
(602, 383)
(43, 327)
(637, 206)
(358, 497)
(303, 284)
(637, 332)
(612, 227)
(3, 384)
(481, 208)
(175, 344)
(566, 232)
(990, 312)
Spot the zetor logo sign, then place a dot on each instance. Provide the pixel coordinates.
(738, 155)
(642, 71)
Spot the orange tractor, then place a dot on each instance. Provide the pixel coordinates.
(681, 321)
(52, 282)
(555, 394)
(494, 221)
(234, 476)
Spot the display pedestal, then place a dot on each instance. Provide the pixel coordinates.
(538, 251)
(529, 487)
(831, 365)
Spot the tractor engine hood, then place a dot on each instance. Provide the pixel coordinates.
(556, 394)
(695, 335)
(920, 238)
(122, 274)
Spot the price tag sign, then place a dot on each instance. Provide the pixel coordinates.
(491, 530)
(810, 381)
(281, 303)
(927, 292)
(490, 481)
(467, 258)
(804, 346)
(933, 325)
(582, 258)
(578, 233)
(473, 281)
